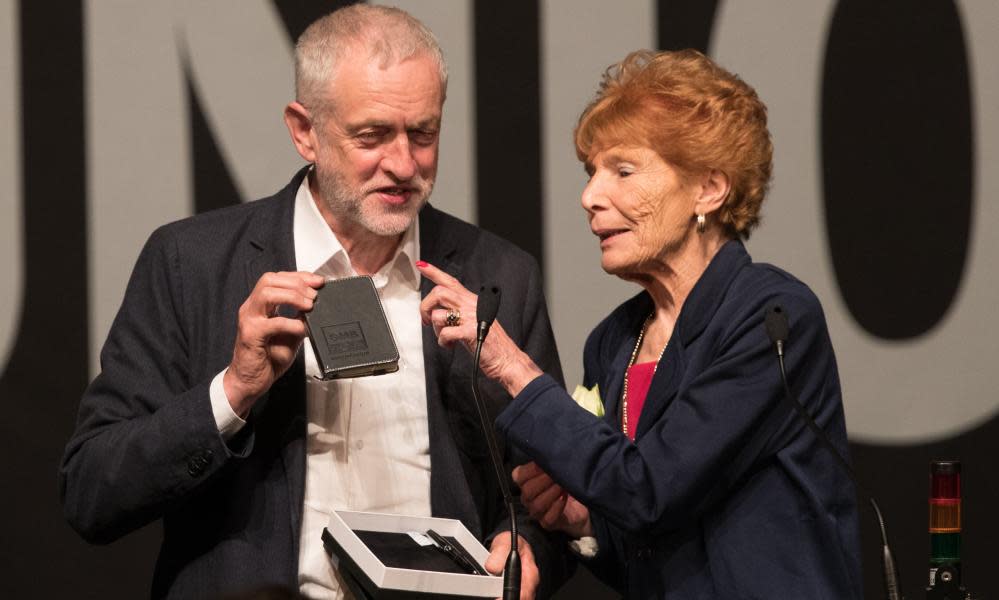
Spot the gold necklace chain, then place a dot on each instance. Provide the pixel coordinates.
(631, 363)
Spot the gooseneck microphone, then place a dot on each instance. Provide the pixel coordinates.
(779, 330)
(486, 309)
(485, 313)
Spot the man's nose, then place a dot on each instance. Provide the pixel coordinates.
(399, 160)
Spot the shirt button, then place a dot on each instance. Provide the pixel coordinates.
(359, 444)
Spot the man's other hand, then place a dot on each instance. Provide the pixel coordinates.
(266, 343)
(499, 550)
(549, 504)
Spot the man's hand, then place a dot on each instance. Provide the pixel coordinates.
(548, 503)
(499, 550)
(266, 343)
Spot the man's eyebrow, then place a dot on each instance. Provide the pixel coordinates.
(372, 124)
(431, 123)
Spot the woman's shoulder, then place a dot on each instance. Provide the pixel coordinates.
(760, 287)
(767, 283)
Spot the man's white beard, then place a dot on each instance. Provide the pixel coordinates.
(349, 205)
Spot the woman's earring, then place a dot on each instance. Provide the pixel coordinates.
(702, 223)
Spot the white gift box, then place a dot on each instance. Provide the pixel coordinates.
(357, 562)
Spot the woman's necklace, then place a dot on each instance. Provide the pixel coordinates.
(634, 354)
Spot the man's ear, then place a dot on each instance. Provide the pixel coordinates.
(715, 187)
(300, 126)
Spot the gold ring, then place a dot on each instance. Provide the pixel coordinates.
(452, 318)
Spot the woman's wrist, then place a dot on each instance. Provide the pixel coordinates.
(518, 373)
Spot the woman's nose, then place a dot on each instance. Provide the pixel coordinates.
(593, 195)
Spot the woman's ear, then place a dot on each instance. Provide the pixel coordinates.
(303, 133)
(715, 187)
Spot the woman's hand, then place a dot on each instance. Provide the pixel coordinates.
(548, 503)
(501, 359)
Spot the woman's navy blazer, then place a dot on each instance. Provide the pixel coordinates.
(725, 493)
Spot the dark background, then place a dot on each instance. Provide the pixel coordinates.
(916, 54)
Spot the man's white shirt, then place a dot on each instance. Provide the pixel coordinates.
(368, 444)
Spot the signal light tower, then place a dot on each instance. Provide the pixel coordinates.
(945, 532)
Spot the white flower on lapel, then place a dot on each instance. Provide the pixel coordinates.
(589, 399)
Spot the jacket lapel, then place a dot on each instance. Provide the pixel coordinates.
(662, 390)
(273, 247)
(618, 356)
(698, 310)
(450, 495)
(614, 381)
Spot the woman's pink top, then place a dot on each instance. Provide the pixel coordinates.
(639, 380)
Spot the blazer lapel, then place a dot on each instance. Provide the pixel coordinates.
(450, 495)
(271, 239)
(620, 355)
(437, 247)
(614, 381)
(698, 310)
(662, 390)
(273, 249)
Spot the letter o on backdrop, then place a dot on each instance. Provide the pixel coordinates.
(883, 125)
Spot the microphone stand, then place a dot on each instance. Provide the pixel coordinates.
(778, 329)
(890, 570)
(511, 575)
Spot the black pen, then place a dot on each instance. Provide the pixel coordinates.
(458, 554)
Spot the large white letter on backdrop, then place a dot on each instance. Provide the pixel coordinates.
(580, 40)
(138, 123)
(11, 191)
(934, 386)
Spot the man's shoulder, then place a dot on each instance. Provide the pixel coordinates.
(218, 225)
(218, 237)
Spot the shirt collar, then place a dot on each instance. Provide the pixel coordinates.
(318, 250)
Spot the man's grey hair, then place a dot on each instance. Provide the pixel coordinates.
(388, 35)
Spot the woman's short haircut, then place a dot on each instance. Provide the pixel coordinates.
(696, 115)
(388, 35)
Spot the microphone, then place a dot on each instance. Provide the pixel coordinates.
(486, 309)
(485, 313)
(777, 327)
(778, 330)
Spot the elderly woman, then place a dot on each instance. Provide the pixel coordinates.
(699, 482)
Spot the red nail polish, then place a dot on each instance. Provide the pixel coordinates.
(421, 263)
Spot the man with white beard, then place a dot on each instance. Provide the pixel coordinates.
(207, 414)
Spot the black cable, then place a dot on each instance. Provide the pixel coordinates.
(890, 570)
(511, 575)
